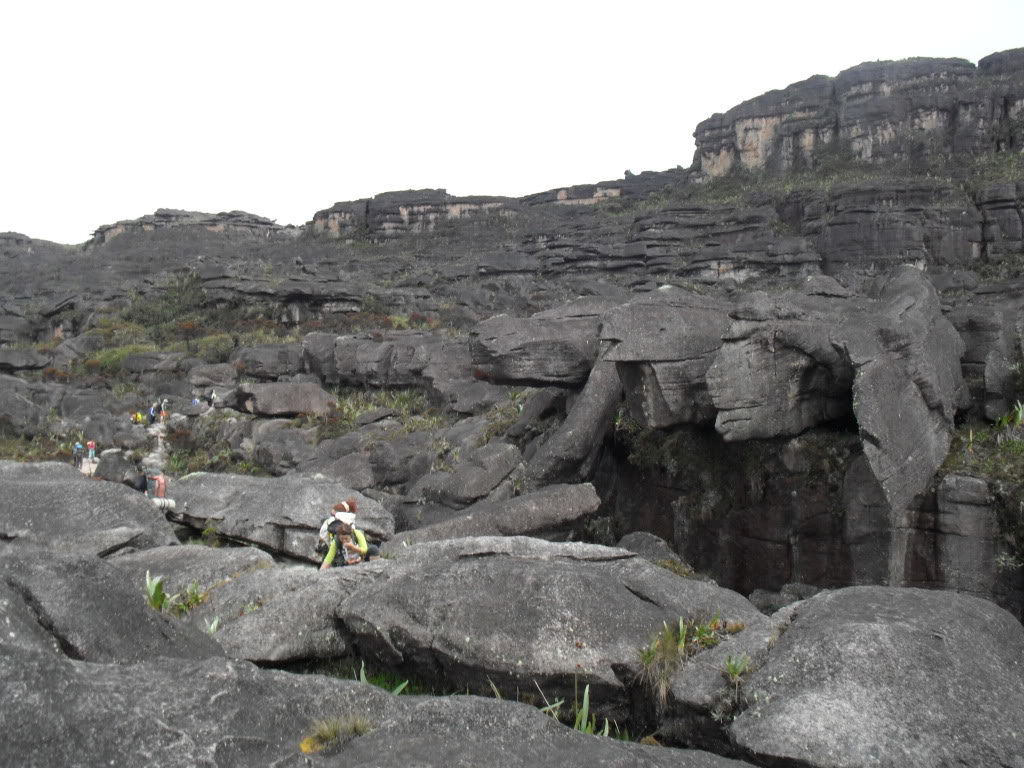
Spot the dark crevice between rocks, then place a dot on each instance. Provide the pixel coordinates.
(45, 622)
(115, 548)
(642, 596)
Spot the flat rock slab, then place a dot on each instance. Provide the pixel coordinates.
(551, 512)
(87, 609)
(182, 565)
(433, 732)
(52, 501)
(515, 610)
(282, 515)
(167, 712)
(284, 614)
(889, 677)
(231, 714)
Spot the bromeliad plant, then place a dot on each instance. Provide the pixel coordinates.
(155, 595)
(179, 603)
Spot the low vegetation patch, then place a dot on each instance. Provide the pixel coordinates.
(995, 453)
(37, 448)
(673, 645)
(179, 603)
(188, 453)
(410, 407)
(334, 731)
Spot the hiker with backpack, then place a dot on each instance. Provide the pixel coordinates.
(339, 532)
(76, 454)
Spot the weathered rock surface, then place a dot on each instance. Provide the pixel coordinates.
(663, 346)
(407, 622)
(555, 347)
(550, 513)
(713, 243)
(52, 501)
(879, 110)
(168, 713)
(889, 677)
(570, 452)
(263, 612)
(13, 359)
(519, 734)
(232, 714)
(282, 515)
(89, 610)
(488, 472)
(285, 399)
(269, 362)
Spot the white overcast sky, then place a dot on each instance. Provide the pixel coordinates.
(111, 110)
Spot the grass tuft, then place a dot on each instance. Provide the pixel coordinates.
(329, 731)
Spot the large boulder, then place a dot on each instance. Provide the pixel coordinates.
(663, 345)
(507, 733)
(282, 515)
(888, 677)
(558, 346)
(19, 412)
(52, 501)
(262, 612)
(570, 453)
(213, 375)
(285, 614)
(488, 472)
(20, 359)
(269, 362)
(908, 384)
(234, 715)
(89, 610)
(279, 447)
(515, 611)
(892, 361)
(168, 712)
(550, 513)
(181, 566)
(285, 399)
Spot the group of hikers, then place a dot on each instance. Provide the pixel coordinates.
(158, 411)
(341, 541)
(78, 452)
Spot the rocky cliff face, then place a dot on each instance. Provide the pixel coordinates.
(237, 223)
(877, 112)
(729, 308)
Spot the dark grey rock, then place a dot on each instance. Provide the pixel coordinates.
(282, 515)
(484, 473)
(19, 359)
(50, 501)
(556, 347)
(889, 677)
(269, 362)
(210, 375)
(285, 399)
(663, 346)
(91, 611)
(550, 513)
(570, 452)
(559, 619)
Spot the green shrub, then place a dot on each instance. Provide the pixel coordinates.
(109, 361)
(216, 348)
